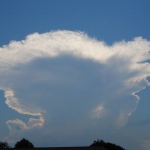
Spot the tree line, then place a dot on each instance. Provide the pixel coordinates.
(24, 143)
(108, 145)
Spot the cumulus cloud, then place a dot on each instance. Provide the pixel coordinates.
(66, 80)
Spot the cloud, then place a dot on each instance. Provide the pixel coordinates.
(68, 83)
(99, 111)
(146, 144)
(14, 104)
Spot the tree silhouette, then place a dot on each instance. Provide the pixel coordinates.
(4, 145)
(109, 146)
(24, 143)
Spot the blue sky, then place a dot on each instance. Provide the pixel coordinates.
(73, 71)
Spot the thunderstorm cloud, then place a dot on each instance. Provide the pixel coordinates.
(68, 84)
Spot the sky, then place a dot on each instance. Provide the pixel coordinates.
(74, 71)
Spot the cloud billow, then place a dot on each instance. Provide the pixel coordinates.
(67, 82)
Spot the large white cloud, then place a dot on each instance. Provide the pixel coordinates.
(68, 83)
